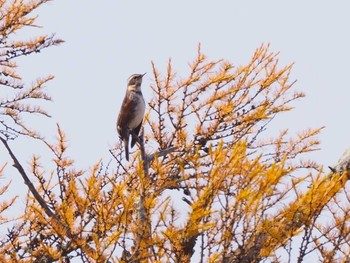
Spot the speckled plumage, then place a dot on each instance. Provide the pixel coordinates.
(131, 112)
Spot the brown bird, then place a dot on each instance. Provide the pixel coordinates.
(131, 112)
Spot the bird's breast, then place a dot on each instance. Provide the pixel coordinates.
(137, 111)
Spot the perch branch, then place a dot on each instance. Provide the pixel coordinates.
(143, 233)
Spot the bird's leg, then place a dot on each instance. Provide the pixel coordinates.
(137, 138)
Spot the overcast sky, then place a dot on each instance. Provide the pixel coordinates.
(107, 41)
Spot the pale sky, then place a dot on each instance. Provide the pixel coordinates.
(107, 41)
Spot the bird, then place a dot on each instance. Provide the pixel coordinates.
(131, 112)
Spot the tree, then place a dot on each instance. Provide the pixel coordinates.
(218, 188)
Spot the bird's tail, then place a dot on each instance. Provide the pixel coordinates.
(126, 145)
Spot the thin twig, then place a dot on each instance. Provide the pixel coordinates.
(119, 162)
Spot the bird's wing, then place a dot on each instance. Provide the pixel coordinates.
(125, 115)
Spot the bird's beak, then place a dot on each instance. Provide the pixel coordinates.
(144, 74)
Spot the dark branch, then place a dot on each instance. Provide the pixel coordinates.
(32, 189)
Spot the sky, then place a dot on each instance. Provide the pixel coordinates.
(107, 41)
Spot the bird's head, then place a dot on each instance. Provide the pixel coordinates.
(134, 82)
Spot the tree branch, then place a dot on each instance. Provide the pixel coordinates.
(150, 157)
(89, 250)
(32, 189)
